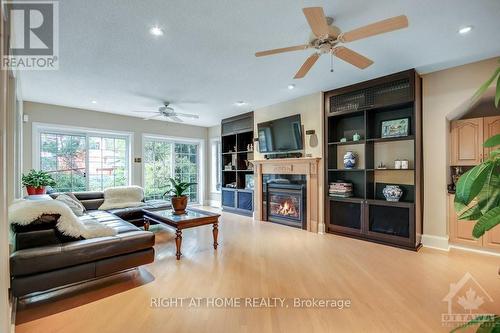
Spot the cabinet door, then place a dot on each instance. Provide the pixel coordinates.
(467, 141)
(461, 230)
(491, 238)
(491, 126)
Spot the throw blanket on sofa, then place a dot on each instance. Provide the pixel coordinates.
(122, 197)
(24, 212)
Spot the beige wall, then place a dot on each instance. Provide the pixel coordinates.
(310, 108)
(53, 114)
(446, 96)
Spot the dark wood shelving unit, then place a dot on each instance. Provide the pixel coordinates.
(237, 134)
(360, 109)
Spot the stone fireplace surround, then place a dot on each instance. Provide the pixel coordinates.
(308, 166)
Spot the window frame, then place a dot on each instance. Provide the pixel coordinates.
(174, 139)
(39, 128)
(216, 165)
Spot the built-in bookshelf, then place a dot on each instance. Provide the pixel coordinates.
(237, 142)
(360, 110)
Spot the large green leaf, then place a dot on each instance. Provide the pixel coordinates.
(486, 222)
(489, 197)
(493, 141)
(468, 213)
(497, 94)
(491, 321)
(482, 89)
(470, 183)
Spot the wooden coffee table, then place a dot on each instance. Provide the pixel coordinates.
(192, 218)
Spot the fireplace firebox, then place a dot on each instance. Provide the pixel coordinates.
(286, 204)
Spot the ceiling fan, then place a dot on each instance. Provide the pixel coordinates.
(326, 38)
(168, 113)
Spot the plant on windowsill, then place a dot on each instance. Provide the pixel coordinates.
(177, 197)
(37, 181)
(477, 197)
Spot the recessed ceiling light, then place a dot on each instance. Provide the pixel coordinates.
(240, 103)
(156, 31)
(465, 30)
(291, 86)
(94, 102)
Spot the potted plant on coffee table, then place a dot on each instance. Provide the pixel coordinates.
(37, 181)
(177, 197)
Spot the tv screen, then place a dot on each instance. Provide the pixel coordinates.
(280, 135)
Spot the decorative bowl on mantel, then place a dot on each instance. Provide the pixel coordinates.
(392, 193)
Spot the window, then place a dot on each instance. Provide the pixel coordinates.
(215, 179)
(165, 158)
(81, 161)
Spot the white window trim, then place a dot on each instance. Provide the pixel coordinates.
(37, 128)
(213, 163)
(174, 139)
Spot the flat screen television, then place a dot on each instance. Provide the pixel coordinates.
(280, 135)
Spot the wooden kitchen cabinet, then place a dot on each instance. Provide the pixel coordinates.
(491, 238)
(491, 126)
(466, 142)
(460, 230)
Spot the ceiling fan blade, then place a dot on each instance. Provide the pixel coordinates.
(187, 115)
(152, 117)
(354, 58)
(317, 21)
(307, 66)
(145, 111)
(281, 50)
(380, 27)
(176, 119)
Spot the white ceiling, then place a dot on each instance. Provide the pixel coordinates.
(206, 56)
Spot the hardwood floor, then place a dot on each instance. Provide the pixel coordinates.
(391, 290)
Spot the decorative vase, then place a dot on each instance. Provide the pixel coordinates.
(356, 137)
(32, 190)
(349, 160)
(179, 204)
(392, 192)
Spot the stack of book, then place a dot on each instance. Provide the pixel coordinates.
(340, 190)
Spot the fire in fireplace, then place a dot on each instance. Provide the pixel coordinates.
(286, 204)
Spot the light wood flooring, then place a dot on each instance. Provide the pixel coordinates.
(391, 290)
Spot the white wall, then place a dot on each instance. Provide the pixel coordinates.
(213, 198)
(54, 114)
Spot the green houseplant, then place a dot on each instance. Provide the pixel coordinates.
(37, 181)
(477, 197)
(177, 197)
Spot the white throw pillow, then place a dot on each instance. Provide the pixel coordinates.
(74, 205)
(122, 197)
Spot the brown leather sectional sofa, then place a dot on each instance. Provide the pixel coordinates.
(44, 258)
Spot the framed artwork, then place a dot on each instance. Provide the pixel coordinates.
(249, 182)
(395, 128)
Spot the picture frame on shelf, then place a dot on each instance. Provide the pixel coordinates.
(395, 128)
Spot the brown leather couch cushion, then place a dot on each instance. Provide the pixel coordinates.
(46, 258)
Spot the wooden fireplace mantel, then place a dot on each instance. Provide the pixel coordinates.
(308, 166)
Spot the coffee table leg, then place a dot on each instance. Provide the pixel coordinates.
(146, 224)
(215, 232)
(178, 241)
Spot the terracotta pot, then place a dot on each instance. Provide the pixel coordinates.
(35, 190)
(179, 204)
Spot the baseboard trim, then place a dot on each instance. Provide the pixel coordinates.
(480, 251)
(213, 203)
(436, 242)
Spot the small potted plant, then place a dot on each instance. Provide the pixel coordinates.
(37, 181)
(177, 197)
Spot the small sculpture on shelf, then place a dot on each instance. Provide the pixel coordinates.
(349, 160)
(231, 185)
(228, 167)
(249, 147)
(356, 137)
(381, 166)
(392, 193)
(343, 139)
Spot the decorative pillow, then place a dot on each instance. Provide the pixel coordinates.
(72, 196)
(73, 204)
(122, 197)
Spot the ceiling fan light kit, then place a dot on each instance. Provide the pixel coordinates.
(326, 38)
(169, 114)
